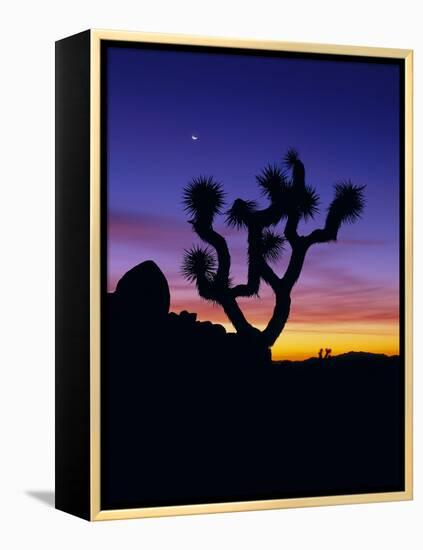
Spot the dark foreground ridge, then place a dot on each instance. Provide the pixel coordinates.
(193, 414)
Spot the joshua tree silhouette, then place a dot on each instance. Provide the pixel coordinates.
(290, 200)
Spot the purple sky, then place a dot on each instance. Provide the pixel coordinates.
(343, 118)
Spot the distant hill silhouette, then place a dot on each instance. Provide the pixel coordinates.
(191, 413)
(353, 358)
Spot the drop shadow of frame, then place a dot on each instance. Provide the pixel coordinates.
(46, 497)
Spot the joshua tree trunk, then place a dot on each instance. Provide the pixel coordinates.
(279, 317)
(235, 315)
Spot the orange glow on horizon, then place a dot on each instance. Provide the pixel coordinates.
(300, 341)
(303, 341)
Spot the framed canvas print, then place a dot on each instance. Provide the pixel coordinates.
(233, 277)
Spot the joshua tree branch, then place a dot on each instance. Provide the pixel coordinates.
(319, 236)
(279, 317)
(253, 281)
(269, 276)
(291, 228)
(256, 221)
(211, 237)
(295, 265)
(282, 289)
(235, 315)
(270, 215)
(346, 207)
(205, 287)
(219, 290)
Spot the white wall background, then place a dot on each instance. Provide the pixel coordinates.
(28, 31)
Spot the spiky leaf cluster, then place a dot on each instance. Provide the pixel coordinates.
(203, 198)
(273, 181)
(239, 213)
(272, 245)
(348, 204)
(291, 158)
(198, 263)
(308, 202)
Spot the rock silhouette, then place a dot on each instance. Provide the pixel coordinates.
(191, 413)
(140, 304)
(143, 292)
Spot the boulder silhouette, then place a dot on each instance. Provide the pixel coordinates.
(143, 293)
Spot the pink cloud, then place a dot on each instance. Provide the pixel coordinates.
(142, 229)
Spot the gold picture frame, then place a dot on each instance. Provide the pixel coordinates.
(96, 37)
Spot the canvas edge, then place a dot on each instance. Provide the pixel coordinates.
(72, 258)
(96, 514)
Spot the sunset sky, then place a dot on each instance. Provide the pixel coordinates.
(342, 117)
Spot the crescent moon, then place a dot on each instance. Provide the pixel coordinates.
(194, 138)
